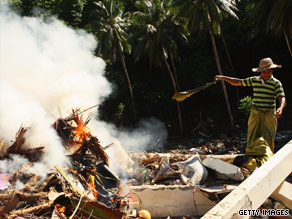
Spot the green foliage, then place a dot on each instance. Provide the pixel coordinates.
(156, 32)
(270, 15)
(120, 113)
(245, 105)
(70, 11)
(109, 23)
(203, 15)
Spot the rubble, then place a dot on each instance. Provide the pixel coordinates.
(183, 184)
(78, 190)
(224, 168)
(257, 188)
(193, 169)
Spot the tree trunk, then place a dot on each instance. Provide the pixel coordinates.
(174, 71)
(223, 84)
(177, 84)
(129, 84)
(231, 64)
(175, 90)
(288, 44)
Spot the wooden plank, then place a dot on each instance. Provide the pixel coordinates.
(252, 192)
(283, 194)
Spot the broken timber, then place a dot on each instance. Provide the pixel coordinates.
(252, 192)
(284, 194)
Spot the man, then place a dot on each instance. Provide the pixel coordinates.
(262, 122)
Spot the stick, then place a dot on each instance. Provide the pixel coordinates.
(59, 112)
(33, 209)
(76, 207)
(24, 196)
(89, 108)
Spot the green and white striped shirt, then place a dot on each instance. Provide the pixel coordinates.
(264, 93)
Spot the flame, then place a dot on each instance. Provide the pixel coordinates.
(81, 132)
(60, 208)
(91, 186)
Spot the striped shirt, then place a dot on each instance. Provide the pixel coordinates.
(264, 93)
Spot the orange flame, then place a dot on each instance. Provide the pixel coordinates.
(60, 208)
(81, 132)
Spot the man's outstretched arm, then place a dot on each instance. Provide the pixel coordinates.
(230, 80)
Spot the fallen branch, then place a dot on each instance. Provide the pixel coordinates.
(22, 196)
(34, 209)
(12, 203)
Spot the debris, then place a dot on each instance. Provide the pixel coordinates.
(89, 186)
(253, 191)
(84, 188)
(174, 200)
(4, 181)
(165, 171)
(283, 194)
(224, 168)
(193, 169)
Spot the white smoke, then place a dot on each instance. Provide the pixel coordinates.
(13, 164)
(45, 66)
(150, 134)
(46, 70)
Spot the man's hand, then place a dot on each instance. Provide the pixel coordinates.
(218, 77)
(279, 112)
(282, 104)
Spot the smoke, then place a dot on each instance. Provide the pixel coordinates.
(150, 134)
(46, 70)
(45, 66)
(12, 165)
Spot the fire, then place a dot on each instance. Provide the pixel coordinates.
(81, 132)
(91, 185)
(60, 208)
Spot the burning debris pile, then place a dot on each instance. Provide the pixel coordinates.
(89, 185)
(86, 188)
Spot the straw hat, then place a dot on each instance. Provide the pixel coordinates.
(266, 63)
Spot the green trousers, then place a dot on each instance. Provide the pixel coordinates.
(261, 124)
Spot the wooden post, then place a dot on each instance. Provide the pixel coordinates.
(252, 192)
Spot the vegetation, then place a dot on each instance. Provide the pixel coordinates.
(164, 46)
(245, 105)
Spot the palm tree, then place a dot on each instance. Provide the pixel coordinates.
(275, 16)
(231, 64)
(205, 16)
(156, 35)
(110, 27)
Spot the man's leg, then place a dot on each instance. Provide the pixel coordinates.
(270, 129)
(255, 126)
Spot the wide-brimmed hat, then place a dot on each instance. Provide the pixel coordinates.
(264, 64)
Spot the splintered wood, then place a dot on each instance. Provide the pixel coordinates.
(78, 190)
